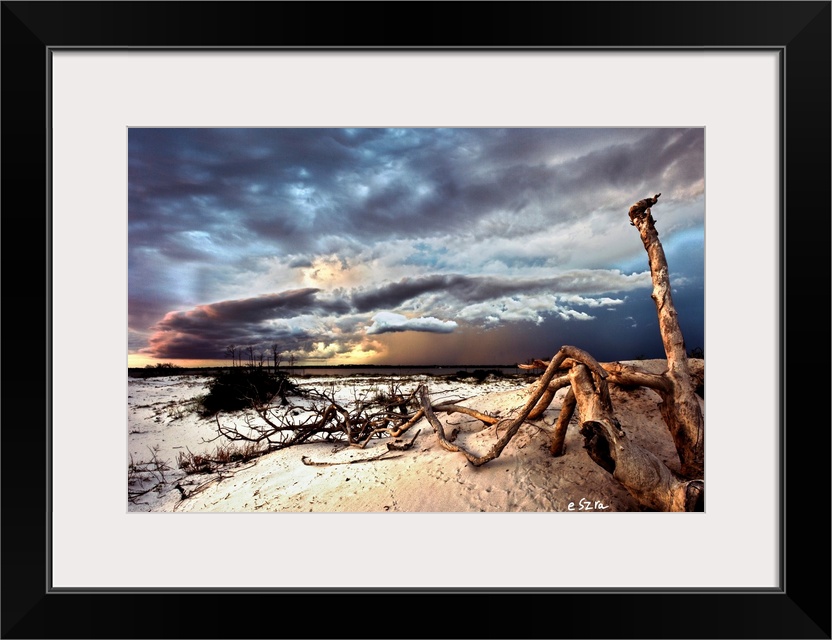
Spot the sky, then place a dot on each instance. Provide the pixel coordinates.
(416, 246)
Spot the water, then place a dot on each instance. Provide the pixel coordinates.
(383, 371)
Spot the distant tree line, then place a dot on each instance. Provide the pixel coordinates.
(250, 357)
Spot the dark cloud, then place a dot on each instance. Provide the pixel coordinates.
(276, 305)
(287, 184)
(279, 305)
(471, 289)
(211, 342)
(391, 295)
(396, 323)
(209, 328)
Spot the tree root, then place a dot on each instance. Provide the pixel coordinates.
(395, 446)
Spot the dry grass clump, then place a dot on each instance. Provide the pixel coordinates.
(223, 455)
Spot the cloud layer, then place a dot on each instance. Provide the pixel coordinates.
(386, 322)
(335, 242)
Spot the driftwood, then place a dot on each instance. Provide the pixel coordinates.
(646, 477)
(512, 425)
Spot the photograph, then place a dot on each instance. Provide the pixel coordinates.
(416, 319)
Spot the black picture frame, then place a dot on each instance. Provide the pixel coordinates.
(800, 608)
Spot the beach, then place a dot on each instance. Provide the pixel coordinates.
(424, 478)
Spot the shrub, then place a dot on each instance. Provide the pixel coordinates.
(242, 387)
(479, 375)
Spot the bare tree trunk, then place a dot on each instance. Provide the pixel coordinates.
(680, 407)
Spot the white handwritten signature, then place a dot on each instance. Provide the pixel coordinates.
(587, 505)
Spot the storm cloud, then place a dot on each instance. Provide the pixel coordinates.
(386, 322)
(305, 236)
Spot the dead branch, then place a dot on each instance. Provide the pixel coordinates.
(133, 495)
(628, 375)
(549, 395)
(383, 455)
(455, 408)
(404, 446)
(567, 410)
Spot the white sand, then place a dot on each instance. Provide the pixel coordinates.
(425, 478)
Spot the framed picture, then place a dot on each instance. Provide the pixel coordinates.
(78, 77)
